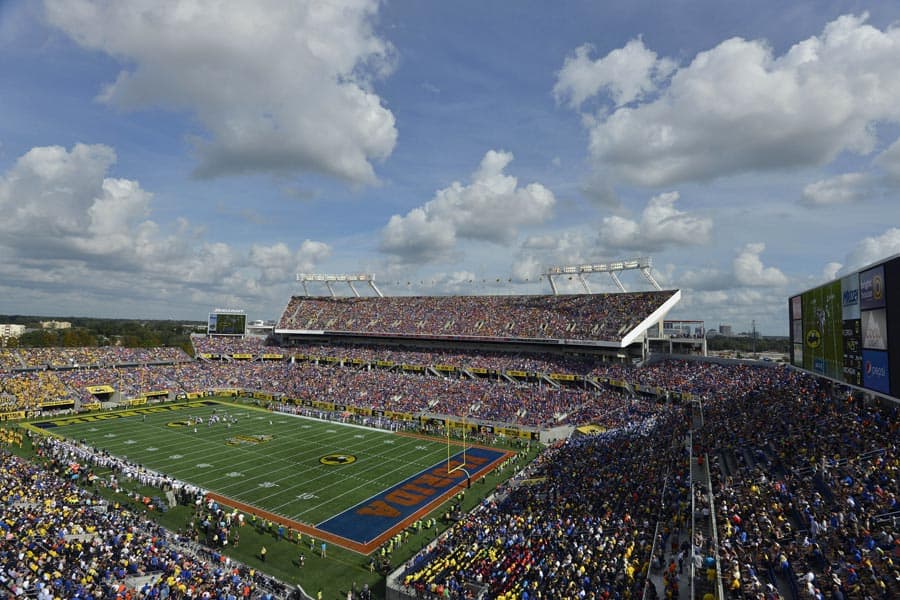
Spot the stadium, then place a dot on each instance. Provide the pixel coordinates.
(544, 446)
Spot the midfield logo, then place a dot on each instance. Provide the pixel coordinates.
(337, 459)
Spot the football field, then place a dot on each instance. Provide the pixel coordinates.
(352, 485)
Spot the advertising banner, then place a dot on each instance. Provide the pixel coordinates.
(796, 307)
(871, 288)
(874, 329)
(99, 389)
(875, 371)
(852, 352)
(850, 297)
(562, 377)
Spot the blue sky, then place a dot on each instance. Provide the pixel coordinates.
(161, 158)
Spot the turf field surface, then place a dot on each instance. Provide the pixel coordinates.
(351, 485)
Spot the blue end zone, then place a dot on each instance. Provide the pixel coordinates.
(382, 512)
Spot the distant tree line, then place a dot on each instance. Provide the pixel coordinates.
(88, 332)
(745, 343)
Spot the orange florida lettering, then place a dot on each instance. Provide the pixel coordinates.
(379, 508)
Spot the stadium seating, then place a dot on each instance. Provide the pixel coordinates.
(576, 317)
(79, 546)
(805, 484)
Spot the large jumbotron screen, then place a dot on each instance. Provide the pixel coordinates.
(847, 328)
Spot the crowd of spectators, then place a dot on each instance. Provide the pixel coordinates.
(806, 491)
(532, 403)
(60, 540)
(805, 499)
(805, 483)
(697, 378)
(225, 345)
(579, 523)
(101, 356)
(29, 389)
(580, 316)
(9, 359)
(460, 359)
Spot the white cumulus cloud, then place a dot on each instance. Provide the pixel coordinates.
(738, 107)
(660, 225)
(277, 85)
(278, 263)
(491, 208)
(872, 249)
(59, 202)
(847, 188)
(628, 74)
(889, 160)
(72, 229)
(749, 270)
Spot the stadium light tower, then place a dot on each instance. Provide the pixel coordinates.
(328, 279)
(642, 264)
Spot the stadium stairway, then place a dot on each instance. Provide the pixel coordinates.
(546, 380)
(700, 474)
(467, 372)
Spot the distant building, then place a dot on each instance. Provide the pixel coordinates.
(8, 330)
(56, 325)
(725, 330)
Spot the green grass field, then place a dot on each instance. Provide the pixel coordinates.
(290, 466)
(283, 474)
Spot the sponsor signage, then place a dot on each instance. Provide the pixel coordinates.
(852, 352)
(796, 307)
(874, 329)
(798, 330)
(875, 370)
(798, 354)
(336, 460)
(48, 403)
(100, 389)
(871, 288)
(850, 297)
(562, 377)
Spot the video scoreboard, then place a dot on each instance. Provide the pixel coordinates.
(227, 322)
(849, 329)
